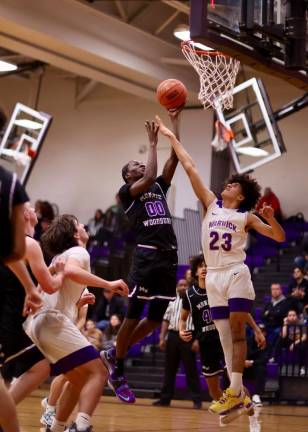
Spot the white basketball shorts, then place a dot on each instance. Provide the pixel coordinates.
(60, 341)
(229, 290)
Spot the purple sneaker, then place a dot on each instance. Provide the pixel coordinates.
(121, 389)
(109, 359)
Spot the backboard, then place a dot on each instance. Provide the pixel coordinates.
(257, 139)
(265, 34)
(22, 140)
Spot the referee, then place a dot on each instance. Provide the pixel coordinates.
(177, 350)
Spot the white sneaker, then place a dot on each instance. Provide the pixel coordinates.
(47, 418)
(254, 424)
(257, 400)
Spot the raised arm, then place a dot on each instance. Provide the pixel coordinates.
(205, 195)
(274, 230)
(34, 256)
(171, 163)
(150, 172)
(74, 271)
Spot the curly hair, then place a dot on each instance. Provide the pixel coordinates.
(195, 262)
(125, 171)
(60, 236)
(250, 189)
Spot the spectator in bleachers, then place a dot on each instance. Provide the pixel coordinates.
(95, 224)
(111, 332)
(293, 336)
(255, 365)
(108, 304)
(93, 334)
(298, 289)
(115, 218)
(270, 199)
(176, 350)
(274, 312)
(45, 215)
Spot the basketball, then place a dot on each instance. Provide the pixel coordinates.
(171, 93)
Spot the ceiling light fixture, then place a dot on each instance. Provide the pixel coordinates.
(28, 124)
(181, 32)
(7, 67)
(252, 151)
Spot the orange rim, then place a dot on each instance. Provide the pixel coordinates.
(189, 45)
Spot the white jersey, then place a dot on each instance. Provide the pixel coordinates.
(65, 299)
(223, 236)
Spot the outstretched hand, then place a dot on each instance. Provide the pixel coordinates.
(119, 287)
(267, 212)
(174, 114)
(152, 130)
(162, 128)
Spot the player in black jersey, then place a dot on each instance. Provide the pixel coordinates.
(12, 249)
(212, 356)
(21, 358)
(196, 303)
(153, 273)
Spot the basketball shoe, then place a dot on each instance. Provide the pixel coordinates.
(246, 407)
(47, 417)
(228, 402)
(117, 383)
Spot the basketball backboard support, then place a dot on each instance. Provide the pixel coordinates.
(23, 139)
(265, 34)
(257, 139)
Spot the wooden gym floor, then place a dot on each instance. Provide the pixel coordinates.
(114, 416)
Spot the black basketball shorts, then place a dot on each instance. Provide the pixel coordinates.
(153, 274)
(212, 356)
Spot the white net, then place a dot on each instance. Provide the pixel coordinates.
(217, 74)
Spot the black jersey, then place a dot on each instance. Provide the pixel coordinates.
(11, 194)
(196, 302)
(149, 215)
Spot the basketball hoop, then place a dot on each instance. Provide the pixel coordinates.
(223, 136)
(217, 72)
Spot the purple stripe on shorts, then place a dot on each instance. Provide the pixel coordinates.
(220, 312)
(73, 360)
(240, 305)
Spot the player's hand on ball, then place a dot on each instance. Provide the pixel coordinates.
(267, 212)
(175, 113)
(152, 130)
(119, 287)
(162, 128)
(185, 335)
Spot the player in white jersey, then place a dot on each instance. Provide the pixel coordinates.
(229, 287)
(52, 329)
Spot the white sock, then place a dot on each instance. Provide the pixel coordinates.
(225, 336)
(50, 408)
(57, 426)
(236, 382)
(83, 421)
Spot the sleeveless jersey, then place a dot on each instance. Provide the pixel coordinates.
(149, 215)
(65, 299)
(223, 236)
(196, 302)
